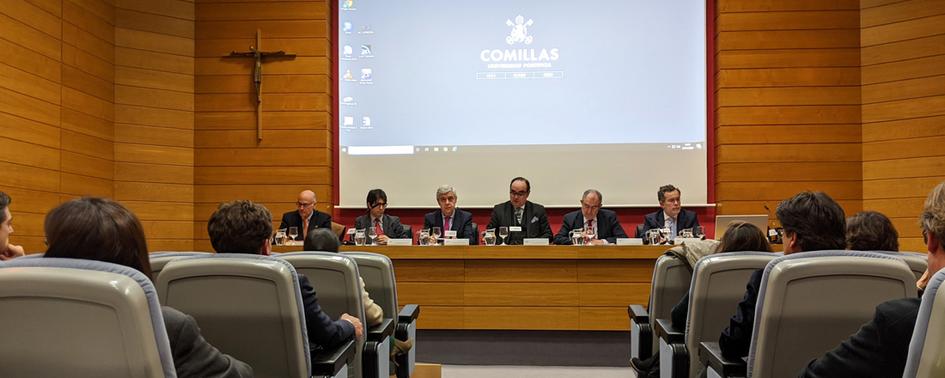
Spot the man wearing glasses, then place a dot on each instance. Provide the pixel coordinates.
(524, 218)
(306, 218)
(602, 223)
(385, 226)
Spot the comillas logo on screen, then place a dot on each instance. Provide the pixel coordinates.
(519, 35)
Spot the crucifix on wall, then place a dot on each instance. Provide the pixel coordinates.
(260, 56)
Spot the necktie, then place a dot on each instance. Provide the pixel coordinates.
(304, 228)
(377, 228)
(590, 227)
(448, 222)
(518, 215)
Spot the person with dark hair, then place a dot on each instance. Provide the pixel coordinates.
(672, 215)
(246, 227)
(306, 218)
(525, 219)
(604, 223)
(385, 226)
(812, 221)
(103, 230)
(740, 237)
(871, 231)
(326, 241)
(880, 348)
(7, 250)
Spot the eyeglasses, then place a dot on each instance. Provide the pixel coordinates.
(379, 204)
(518, 194)
(304, 204)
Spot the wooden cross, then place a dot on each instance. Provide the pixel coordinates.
(260, 56)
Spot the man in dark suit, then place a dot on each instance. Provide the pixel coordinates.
(246, 227)
(881, 347)
(672, 216)
(385, 226)
(449, 218)
(524, 218)
(604, 222)
(306, 218)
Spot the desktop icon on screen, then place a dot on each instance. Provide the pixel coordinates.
(347, 4)
(348, 51)
(366, 50)
(367, 74)
(348, 76)
(366, 121)
(346, 27)
(348, 121)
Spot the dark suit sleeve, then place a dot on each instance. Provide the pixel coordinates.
(466, 230)
(736, 338)
(324, 220)
(397, 228)
(543, 225)
(428, 220)
(322, 331)
(494, 218)
(285, 221)
(564, 234)
(616, 230)
(680, 312)
(648, 223)
(193, 355)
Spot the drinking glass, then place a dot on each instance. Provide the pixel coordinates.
(686, 233)
(503, 234)
(280, 236)
(488, 237)
(577, 236)
(653, 236)
(424, 237)
(436, 233)
(359, 237)
(293, 232)
(699, 232)
(371, 235)
(589, 235)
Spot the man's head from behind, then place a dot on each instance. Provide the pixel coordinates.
(321, 239)
(240, 227)
(932, 222)
(670, 198)
(812, 221)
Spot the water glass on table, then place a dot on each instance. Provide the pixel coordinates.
(488, 236)
(359, 237)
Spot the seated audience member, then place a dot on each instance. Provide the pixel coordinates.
(246, 227)
(306, 218)
(518, 211)
(103, 230)
(880, 347)
(604, 222)
(449, 218)
(812, 221)
(672, 216)
(7, 249)
(385, 226)
(871, 231)
(740, 237)
(326, 241)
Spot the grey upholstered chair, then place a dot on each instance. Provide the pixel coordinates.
(927, 349)
(671, 278)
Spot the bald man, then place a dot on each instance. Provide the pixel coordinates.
(306, 218)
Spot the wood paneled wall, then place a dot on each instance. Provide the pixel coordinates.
(903, 75)
(295, 153)
(154, 118)
(787, 102)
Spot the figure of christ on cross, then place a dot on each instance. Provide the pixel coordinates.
(260, 56)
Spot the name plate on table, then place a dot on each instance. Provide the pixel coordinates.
(629, 241)
(535, 241)
(679, 241)
(295, 243)
(462, 241)
(400, 242)
(515, 229)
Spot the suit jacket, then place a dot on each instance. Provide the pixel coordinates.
(534, 219)
(461, 223)
(685, 219)
(878, 349)
(736, 338)
(608, 228)
(322, 331)
(391, 224)
(193, 355)
(294, 219)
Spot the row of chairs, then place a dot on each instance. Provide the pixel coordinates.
(248, 306)
(812, 299)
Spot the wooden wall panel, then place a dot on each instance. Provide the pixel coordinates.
(154, 133)
(903, 57)
(295, 153)
(788, 100)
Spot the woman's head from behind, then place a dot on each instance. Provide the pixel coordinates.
(871, 231)
(742, 236)
(99, 229)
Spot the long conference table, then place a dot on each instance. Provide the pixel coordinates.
(520, 287)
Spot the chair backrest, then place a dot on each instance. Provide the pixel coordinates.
(639, 231)
(160, 259)
(927, 348)
(338, 229)
(377, 270)
(718, 284)
(474, 238)
(70, 317)
(335, 279)
(247, 305)
(818, 299)
(917, 261)
(671, 278)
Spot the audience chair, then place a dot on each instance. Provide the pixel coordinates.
(718, 284)
(927, 349)
(64, 316)
(378, 273)
(160, 259)
(918, 262)
(335, 278)
(808, 303)
(671, 278)
(250, 306)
